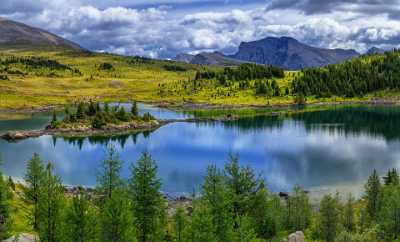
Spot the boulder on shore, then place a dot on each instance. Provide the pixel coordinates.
(24, 237)
(296, 237)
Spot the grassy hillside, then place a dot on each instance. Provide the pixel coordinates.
(35, 79)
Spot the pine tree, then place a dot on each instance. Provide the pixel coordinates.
(348, 214)
(5, 208)
(109, 178)
(80, 112)
(148, 204)
(245, 231)
(298, 210)
(392, 178)
(80, 220)
(134, 109)
(243, 185)
(31, 192)
(217, 199)
(389, 214)
(50, 207)
(116, 222)
(373, 195)
(328, 218)
(202, 228)
(180, 223)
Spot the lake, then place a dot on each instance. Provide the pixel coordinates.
(323, 151)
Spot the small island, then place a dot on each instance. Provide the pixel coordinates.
(90, 119)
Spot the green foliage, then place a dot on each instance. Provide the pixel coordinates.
(392, 178)
(5, 208)
(134, 109)
(298, 211)
(373, 195)
(352, 78)
(216, 197)
(106, 66)
(148, 117)
(50, 207)
(80, 220)
(389, 213)
(33, 178)
(116, 222)
(109, 179)
(328, 219)
(180, 224)
(148, 204)
(348, 217)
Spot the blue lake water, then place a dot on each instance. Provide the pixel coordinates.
(334, 149)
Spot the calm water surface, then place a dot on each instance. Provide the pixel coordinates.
(330, 150)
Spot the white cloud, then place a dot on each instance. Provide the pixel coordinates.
(160, 32)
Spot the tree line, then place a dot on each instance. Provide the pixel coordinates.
(233, 205)
(352, 78)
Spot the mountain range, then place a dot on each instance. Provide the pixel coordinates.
(21, 36)
(284, 52)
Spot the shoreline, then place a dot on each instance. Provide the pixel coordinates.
(190, 106)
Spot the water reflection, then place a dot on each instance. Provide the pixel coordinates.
(333, 149)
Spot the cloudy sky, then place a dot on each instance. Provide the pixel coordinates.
(162, 28)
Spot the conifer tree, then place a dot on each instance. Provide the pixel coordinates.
(5, 208)
(392, 178)
(202, 228)
(348, 214)
(180, 224)
(298, 210)
(328, 218)
(116, 222)
(217, 199)
(31, 192)
(148, 204)
(50, 207)
(245, 231)
(373, 195)
(80, 220)
(134, 109)
(109, 178)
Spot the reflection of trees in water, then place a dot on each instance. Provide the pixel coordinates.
(351, 120)
(373, 121)
(103, 140)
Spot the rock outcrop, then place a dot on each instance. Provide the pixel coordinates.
(296, 237)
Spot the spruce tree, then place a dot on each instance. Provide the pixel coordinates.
(116, 222)
(31, 192)
(5, 208)
(298, 210)
(328, 218)
(217, 199)
(134, 109)
(348, 214)
(245, 230)
(148, 203)
(51, 204)
(80, 220)
(109, 178)
(389, 214)
(180, 223)
(202, 227)
(392, 178)
(373, 195)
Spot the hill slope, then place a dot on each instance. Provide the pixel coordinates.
(289, 53)
(22, 36)
(212, 58)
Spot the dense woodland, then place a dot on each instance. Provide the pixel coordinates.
(233, 205)
(352, 78)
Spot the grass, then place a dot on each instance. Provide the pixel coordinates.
(130, 78)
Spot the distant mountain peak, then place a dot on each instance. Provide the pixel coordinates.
(374, 51)
(289, 53)
(18, 35)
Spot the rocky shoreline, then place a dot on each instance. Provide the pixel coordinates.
(109, 130)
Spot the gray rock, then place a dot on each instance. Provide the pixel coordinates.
(296, 237)
(24, 237)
